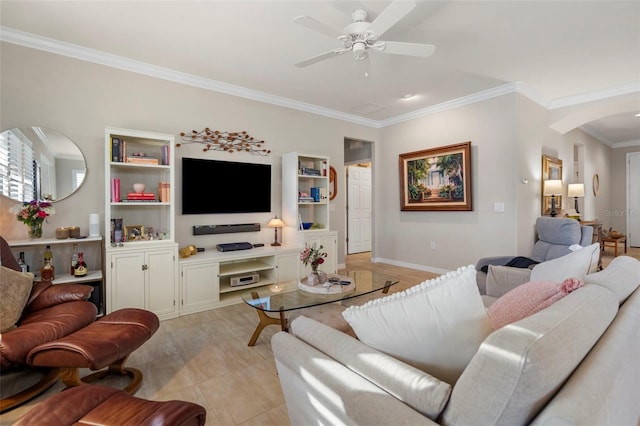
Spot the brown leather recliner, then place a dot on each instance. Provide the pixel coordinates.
(52, 312)
(99, 405)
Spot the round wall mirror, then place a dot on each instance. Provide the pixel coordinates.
(39, 163)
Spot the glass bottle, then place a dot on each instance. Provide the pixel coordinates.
(22, 263)
(48, 255)
(81, 267)
(47, 273)
(74, 259)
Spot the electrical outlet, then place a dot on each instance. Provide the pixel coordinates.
(432, 244)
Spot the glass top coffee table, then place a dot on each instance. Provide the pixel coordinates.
(283, 297)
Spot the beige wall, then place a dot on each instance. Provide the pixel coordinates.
(459, 237)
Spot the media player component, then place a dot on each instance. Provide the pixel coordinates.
(234, 246)
(244, 280)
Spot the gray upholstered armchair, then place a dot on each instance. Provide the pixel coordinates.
(555, 236)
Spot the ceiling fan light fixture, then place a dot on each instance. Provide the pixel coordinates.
(359, 51)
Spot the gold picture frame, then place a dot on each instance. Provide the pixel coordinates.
(437, 179)
(134, 232)
(551, 169)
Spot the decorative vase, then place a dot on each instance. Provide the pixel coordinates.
(35, 230)
(318, 276)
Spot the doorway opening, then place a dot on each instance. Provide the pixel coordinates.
(358, 167)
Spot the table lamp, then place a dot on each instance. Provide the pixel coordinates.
(275, 223)
(576, 190)
(552, 187)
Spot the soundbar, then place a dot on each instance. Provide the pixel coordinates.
(225, 229)
(234, 246)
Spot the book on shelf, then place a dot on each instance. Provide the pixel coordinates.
(315, 193)
(306, 199)
(123, 150)
(142, 160)
(323, 193)
(140, 200)
(115, 149)
(141, 195)
(164, 191)
(115, 190)
(310, 172)
(164, 155)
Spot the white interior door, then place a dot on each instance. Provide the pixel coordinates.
(633, 199)
(359, 209)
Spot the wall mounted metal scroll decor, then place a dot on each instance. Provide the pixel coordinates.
(216, 140)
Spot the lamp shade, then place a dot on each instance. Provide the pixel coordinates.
(552, 187)
(576, 190)
(275, 223)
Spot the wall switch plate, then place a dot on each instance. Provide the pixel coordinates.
(498, 207)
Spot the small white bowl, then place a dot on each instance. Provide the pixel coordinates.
(139, 187)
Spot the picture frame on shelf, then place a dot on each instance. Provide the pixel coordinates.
(436, 179)
(134, 232)
(551, 169)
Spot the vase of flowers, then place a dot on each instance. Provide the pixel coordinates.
(313, 256)
(33, 214)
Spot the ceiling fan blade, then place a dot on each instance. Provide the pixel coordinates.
(402, 48)
(315, 25)
(390, 16)
(320, 57)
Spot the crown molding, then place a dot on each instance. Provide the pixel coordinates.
(596, 135)
(625, 89)
(452, 104)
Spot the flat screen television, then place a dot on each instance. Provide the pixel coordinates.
(212, 186)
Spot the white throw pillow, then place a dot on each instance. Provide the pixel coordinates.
(436, 326)
(573, 265)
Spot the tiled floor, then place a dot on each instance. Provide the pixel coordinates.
(204, 358)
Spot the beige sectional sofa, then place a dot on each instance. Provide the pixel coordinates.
(576, 362)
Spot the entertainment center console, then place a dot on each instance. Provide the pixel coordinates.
(141, 264)
(210, 279)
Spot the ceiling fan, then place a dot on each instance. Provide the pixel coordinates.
(360, 36)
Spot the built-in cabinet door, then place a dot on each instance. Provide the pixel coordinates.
(200, 287)
(127, 281)
(288, 267)
(328, 242)
(161, 279)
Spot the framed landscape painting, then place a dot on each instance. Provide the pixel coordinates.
(437, 179)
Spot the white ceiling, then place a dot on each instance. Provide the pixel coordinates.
(556, 52)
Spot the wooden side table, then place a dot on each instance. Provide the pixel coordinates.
(614, 242)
